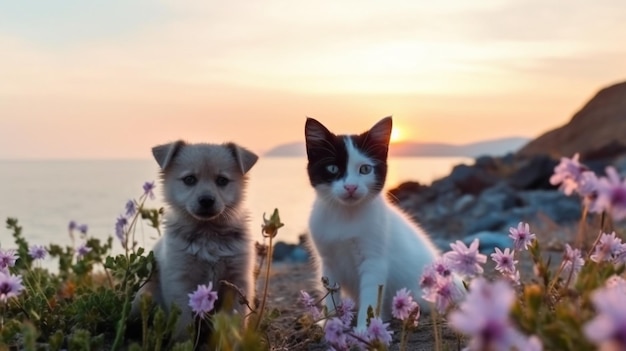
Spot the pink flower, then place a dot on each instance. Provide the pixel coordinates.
(572, 261)
(608, 328)
(611, 195)
(309, 303)
(148, 189)
(10, 286)
(521, 236)
(8, 258)
(83, 250)
(428, 278)
(608, 248)
(345, 310)
(37, 252)
(442, 266)
(377, 330)
(403, 304)
(505, 262)
(484, 317)
(202, 301)
(334, 333)
(466, 260)
(567, 174)
(443, 294)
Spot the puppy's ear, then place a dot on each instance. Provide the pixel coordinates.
(164, 154)
(244, 157)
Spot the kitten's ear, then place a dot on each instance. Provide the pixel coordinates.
(314, 131)
(244, 157)
(380, 133)
(164, 154)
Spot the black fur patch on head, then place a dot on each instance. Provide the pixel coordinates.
(325, 148)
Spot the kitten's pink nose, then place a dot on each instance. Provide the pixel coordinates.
(350, 188)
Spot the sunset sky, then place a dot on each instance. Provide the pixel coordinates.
(112, 78)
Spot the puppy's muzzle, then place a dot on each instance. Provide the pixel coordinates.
(206, 203)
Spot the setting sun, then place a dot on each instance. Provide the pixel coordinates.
(396, 135)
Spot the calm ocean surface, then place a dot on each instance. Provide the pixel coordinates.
(46, 195)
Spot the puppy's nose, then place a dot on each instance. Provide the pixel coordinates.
(206, 202)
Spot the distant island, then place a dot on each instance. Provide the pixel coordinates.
(495, 147)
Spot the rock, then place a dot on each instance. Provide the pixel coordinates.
(470, 179)
(463, 203)
(299, 255)
(486, 163)
(282, 251)
(491, 221)
(554, 204)
(534, 173)
(599, 123)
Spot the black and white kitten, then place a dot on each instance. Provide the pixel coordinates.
(362, 240)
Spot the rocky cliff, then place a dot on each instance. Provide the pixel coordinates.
(597, 131)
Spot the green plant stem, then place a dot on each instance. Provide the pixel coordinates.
(436, 330)
(267, 283)
(195, 344)
(556, 277)
(580, 238)
(121, 324)
(403, 337)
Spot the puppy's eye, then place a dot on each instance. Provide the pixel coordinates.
(190, 180)
(332, 169)
(221, 181)
(365, 169)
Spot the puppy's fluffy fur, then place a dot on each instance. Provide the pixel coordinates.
(206, 238)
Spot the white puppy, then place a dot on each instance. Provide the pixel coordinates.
(206, 237)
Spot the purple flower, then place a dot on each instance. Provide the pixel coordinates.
(443, 294)
(616, 282)
(505, 261)
(429, 278)
(568, 174)
(334, 333)
(357, 339)
(82, 228)
(120, 229)
(521, 236)
(466, 260)
(442, 266)
(611, 195)
(37, 252)
(71, 226)
(345, 311)
(377, 330)
(309, 303)
(608, 248)
(10, 286)
(202, 301)
(83, 250)
(7, 258)
(572, 261)
(484, 316)
(148, 188)
(130, 208)
(403, 304)
(608, 328)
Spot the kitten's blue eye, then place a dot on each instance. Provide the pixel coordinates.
(365, 169)
(332, 169)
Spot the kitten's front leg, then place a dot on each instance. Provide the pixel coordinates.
(373, 273)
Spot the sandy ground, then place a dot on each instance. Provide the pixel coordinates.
(287, 280)
(286, 333)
